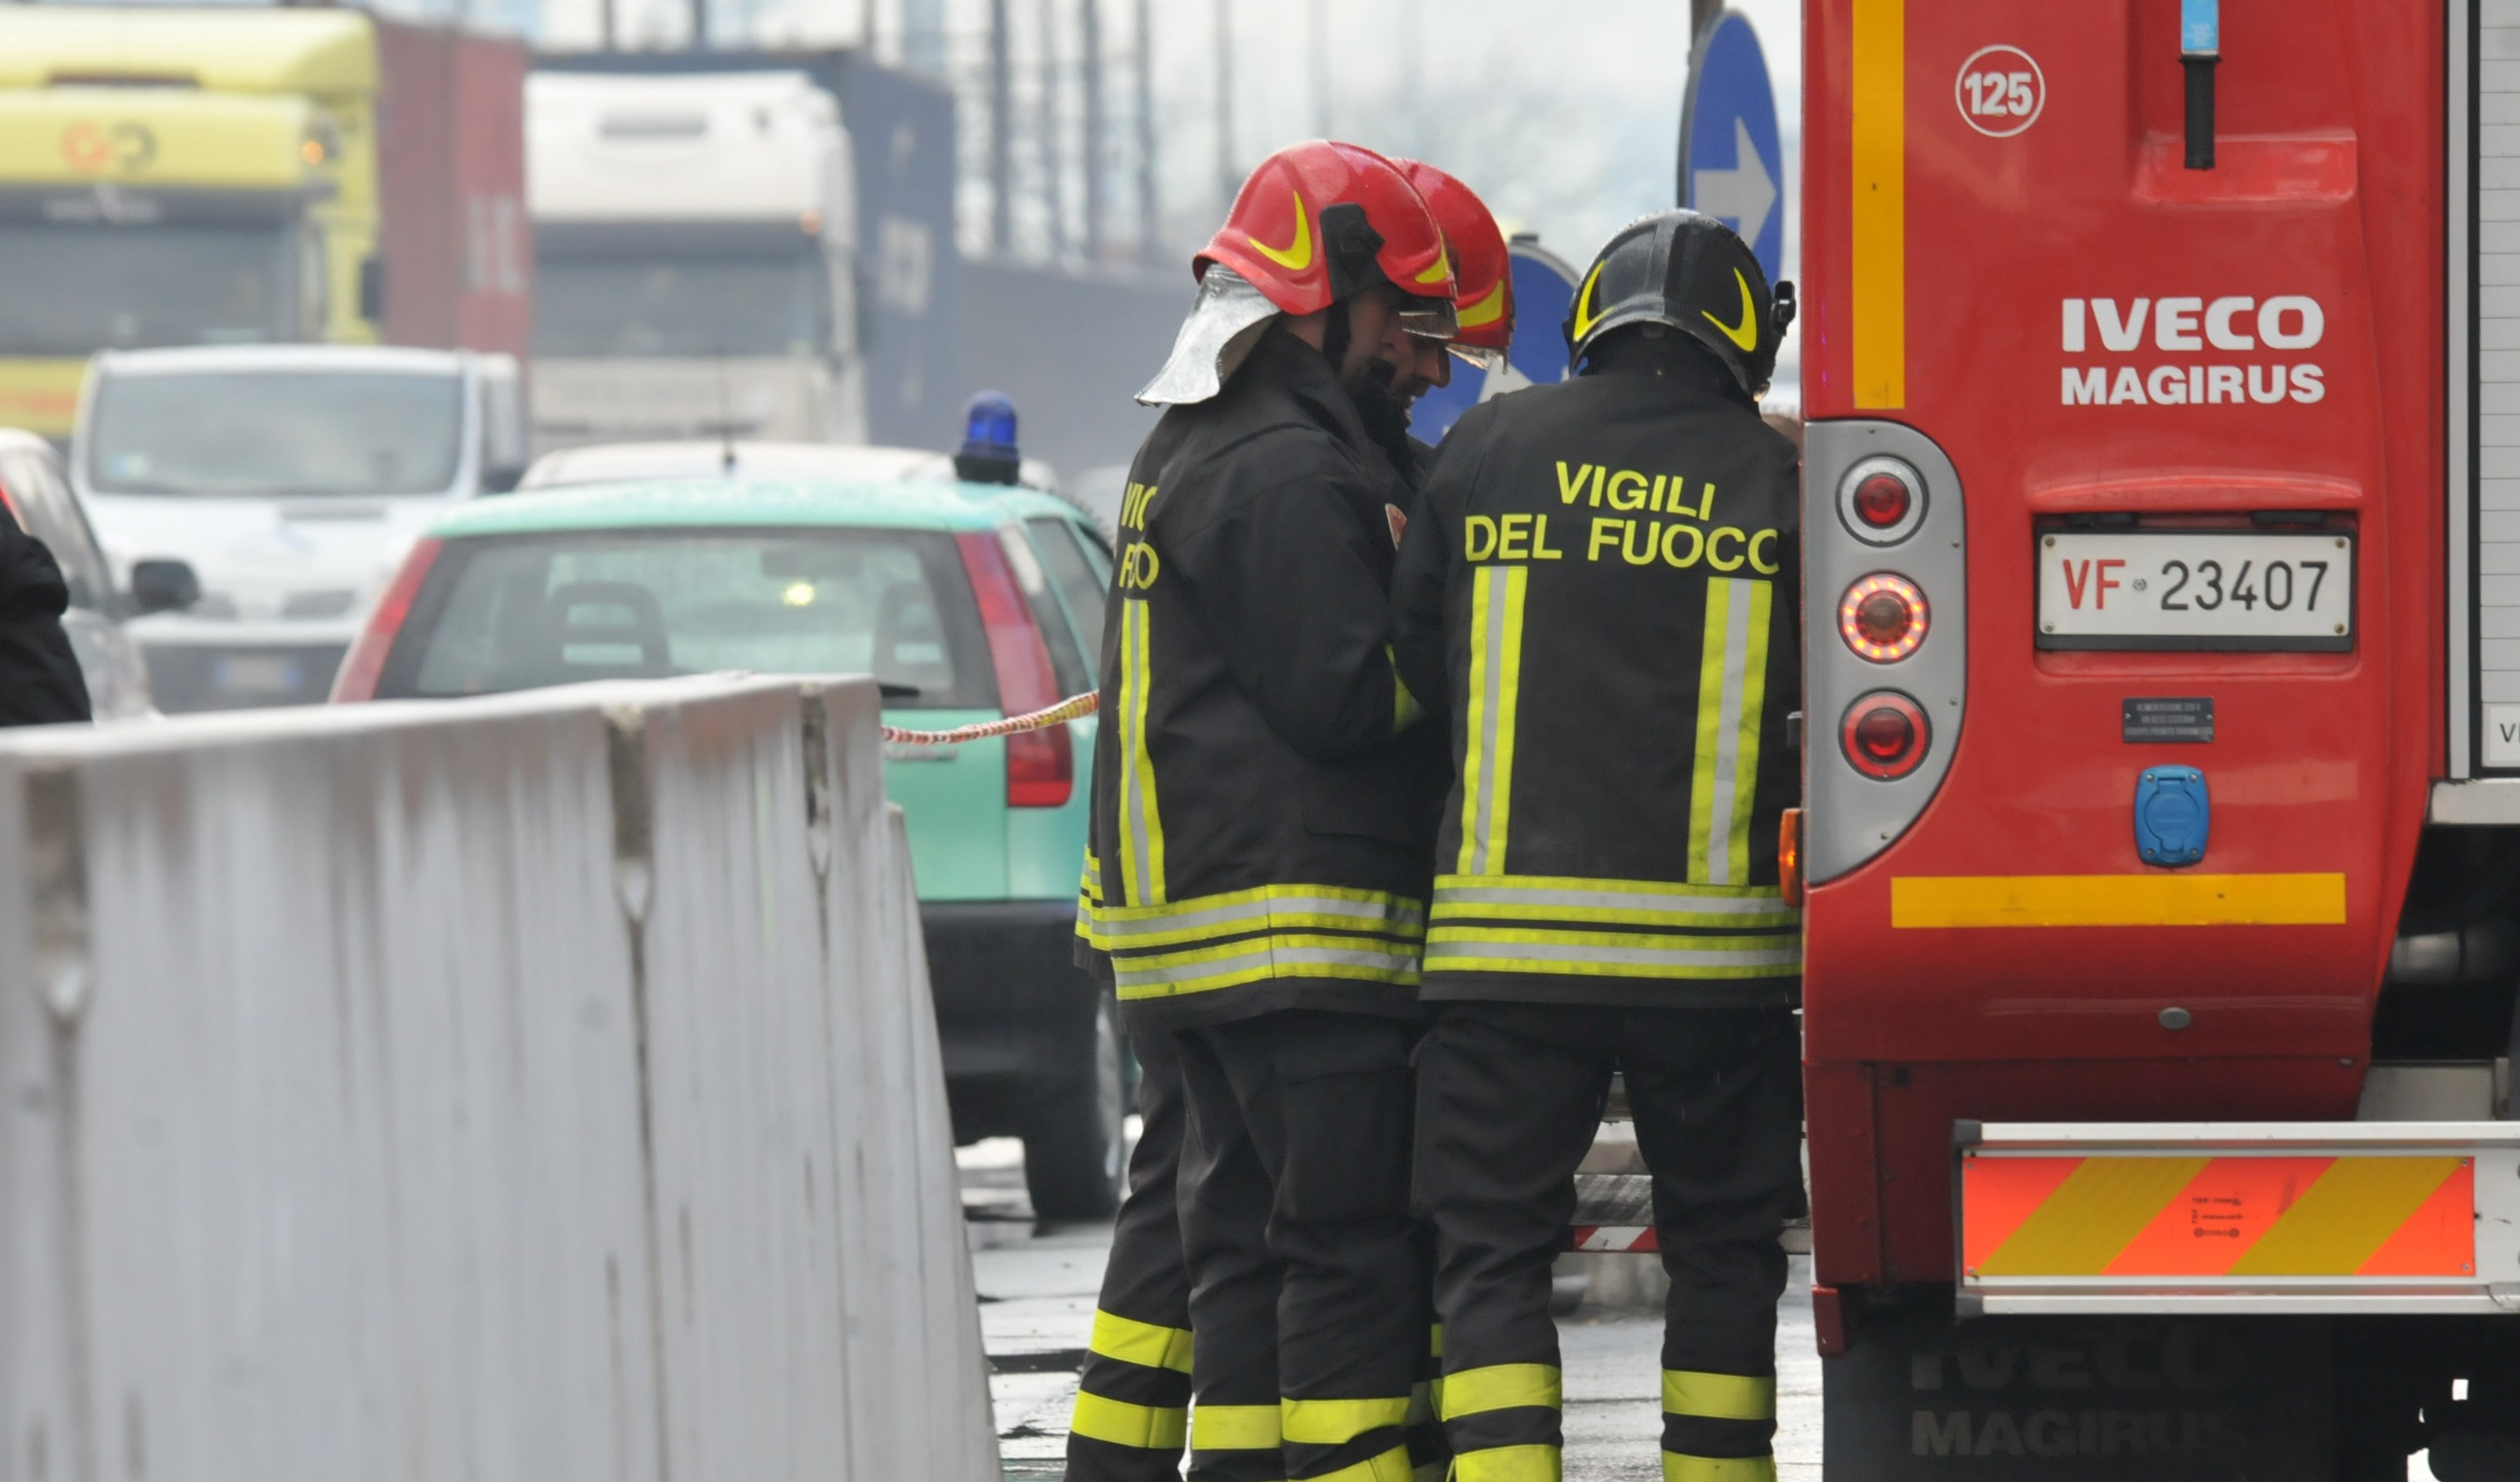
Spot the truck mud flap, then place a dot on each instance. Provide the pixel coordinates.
(1922, 1395)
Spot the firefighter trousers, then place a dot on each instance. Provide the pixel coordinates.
(1133, 1394)
(1509, 1097)
(1305, 1270)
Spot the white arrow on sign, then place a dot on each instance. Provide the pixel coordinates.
(1745, 193)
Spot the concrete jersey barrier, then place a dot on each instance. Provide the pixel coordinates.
(523, 1089)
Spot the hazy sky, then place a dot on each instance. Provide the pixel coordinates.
(1563, 114)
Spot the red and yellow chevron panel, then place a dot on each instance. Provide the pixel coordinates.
(2357, 1215)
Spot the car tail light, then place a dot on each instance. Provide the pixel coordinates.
(1041, 765)
(366, 663)
(1882, 618)
(1884, 734)
(1789, 856)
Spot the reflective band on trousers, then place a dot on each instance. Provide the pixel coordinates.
(1732, 692)
(1148, 1426)
(1676, 1468)
(1499, 1386)
(1495, 689)
(1507, 1464)
(1608, 902)
(1142, 1343)
(1724, 1396)
(1333, 1422)
(1142, 823)
(1391, 1467)
(1619, 954)
(1234, 1427)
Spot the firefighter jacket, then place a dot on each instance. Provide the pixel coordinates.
(1598, 588)
(1255, 845)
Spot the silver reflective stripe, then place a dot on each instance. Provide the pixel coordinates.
(1440, 950)
(1252, 915)
(1487, 779)
(1262, 954)
(1676, 901)
(1727, 731)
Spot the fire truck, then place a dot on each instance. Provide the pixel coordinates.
(2162, 815)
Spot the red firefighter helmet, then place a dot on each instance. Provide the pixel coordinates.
(1482, 271)
(1320, 221)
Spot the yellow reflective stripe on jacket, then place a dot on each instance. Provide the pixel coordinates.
(1215, 918)
(1159, 1427)
(1434, 1341)
(1507, 1464)
(1089, 901)
(1732, 689)
(1142, 1343)
(1252, 960)
(1608, 902)
(1722, 1397)
(1618, 953)
(1334, 1423)
(1234, 1427)
(1500, 1387)
(1494, 688)
(1676, 1468)
(1142, 823)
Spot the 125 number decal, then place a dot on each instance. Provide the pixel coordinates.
(2001, 91)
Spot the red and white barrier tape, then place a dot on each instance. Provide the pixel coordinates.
(1073, 707)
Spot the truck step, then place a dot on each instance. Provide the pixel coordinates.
(2237, 1217)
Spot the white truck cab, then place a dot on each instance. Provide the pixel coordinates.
(693, 259)
(291, 479)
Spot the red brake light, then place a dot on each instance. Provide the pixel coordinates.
(366, 663)
(1884, 736)
(1882, 618)
(1882, 500)
(1041, 765)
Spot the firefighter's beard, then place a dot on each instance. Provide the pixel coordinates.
(1384, 415)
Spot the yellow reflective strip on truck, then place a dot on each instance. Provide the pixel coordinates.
(2117, 900)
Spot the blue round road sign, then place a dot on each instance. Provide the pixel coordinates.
(1732, 160)
(1544, 290)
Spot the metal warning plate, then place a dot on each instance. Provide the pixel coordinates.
(2195, 589)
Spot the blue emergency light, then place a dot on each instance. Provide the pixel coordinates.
(989, 454)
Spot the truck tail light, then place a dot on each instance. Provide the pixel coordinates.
(366, 663)
(1882, 618)
(1041, 765)
(1882, 500)
(1884, 734)
(1789, 856)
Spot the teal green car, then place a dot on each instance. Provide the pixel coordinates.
(966, 602)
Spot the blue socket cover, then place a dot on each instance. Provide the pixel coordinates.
(2172, 816)
(2200, 28)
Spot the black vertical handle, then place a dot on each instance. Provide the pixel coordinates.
(2200, 110)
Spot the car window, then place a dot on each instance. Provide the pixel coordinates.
(519, 612)
(48, 511)
(1065, 553)
(1066, 657)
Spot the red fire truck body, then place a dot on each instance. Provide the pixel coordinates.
(2124, 825)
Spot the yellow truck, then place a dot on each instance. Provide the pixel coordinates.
(188, 177)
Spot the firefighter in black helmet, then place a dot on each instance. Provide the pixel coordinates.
(1598, 588)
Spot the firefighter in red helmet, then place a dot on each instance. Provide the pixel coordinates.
(1256, 876)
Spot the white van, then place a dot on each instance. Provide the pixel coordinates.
(291, 479)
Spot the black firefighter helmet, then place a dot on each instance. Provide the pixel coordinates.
(1692, 273)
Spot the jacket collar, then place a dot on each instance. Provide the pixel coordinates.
(1283, 363)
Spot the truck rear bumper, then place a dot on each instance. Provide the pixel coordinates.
(2238, 1217)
